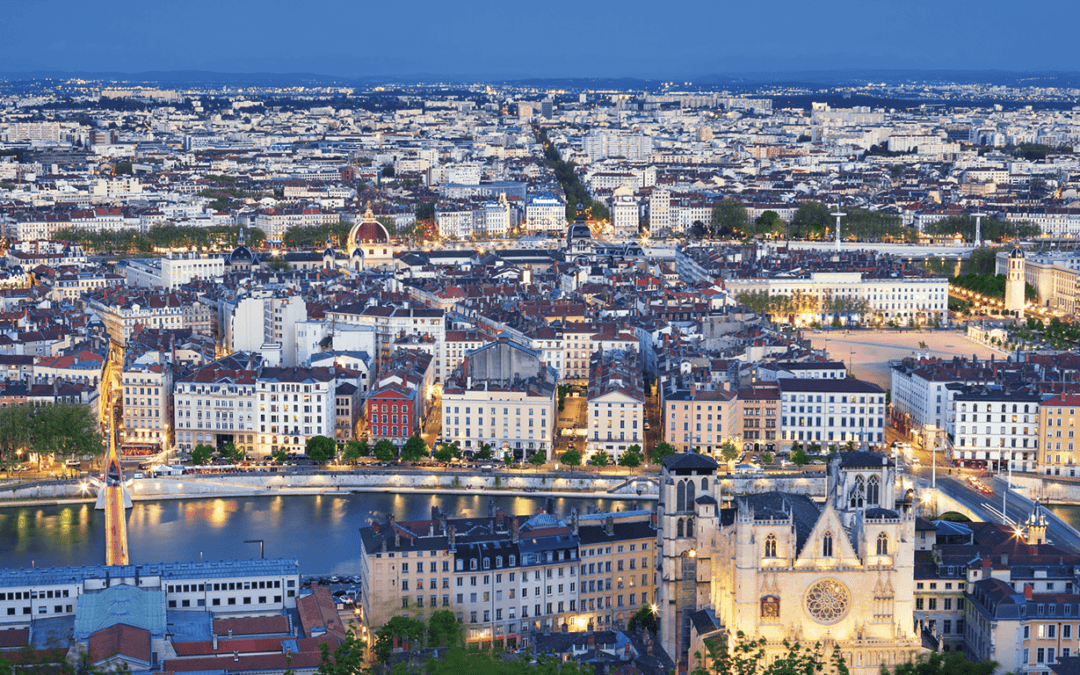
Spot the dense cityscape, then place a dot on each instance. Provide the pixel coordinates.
(698, 360)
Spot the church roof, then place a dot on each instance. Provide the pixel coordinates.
(780, 505)
(878, 513)
(689, 461)
(864, 458)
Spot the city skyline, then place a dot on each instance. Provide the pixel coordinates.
(694, 41)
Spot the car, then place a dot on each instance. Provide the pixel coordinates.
(73, 463)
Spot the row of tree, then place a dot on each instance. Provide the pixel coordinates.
(992, 229)
(67, 430)
(802, 303)
(989, 285)
(566, 174)
(812, 220)
(164, 236)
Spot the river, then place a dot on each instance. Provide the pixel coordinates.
(321, 531)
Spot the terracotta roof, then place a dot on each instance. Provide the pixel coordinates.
(120, 639)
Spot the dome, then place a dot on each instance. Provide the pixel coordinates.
(369, 231)
(241, 253)
(579, 231)
(1017, 252)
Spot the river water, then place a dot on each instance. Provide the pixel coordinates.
(320, 531)
(1070, 513)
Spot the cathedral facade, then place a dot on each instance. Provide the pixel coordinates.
(780, 566)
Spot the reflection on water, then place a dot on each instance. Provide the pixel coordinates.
(321, 531)
(1070, 513)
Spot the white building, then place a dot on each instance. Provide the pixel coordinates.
(624, 213)
(545, 213)
(993, 428)
(831, 412)
(148, 390)
(172, 271)
(616, 403)
(295, 404)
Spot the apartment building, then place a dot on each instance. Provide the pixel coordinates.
(503, 575)
(398, 400)
(545, 213)
(216, 404)
(1057, 430)
(757, 421)
(295, 404)
(121, 311)
(502, 395)
(390, 322)
(173, 270)
(995, 427)
(700, 417)
(616, 404)
(831, 412)
(624, 213)
(148, 389)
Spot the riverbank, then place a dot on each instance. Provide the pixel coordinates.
(307, 492)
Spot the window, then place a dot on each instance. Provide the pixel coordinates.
(826, 545)
(770, 546)
(883, 544)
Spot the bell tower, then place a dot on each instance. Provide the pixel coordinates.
(688, 518)
(1014, 283)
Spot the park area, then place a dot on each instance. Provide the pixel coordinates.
(868, 353)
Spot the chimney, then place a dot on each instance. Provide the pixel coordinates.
(573, 521)
(500, 518)
(1004, 558)
(451, 536)
(609, 526)
(514, 532)
(653, 519)
(215, 641)
(1029, 590)
(230, 632)
(431, 528)
(986, 563)
(397, 538)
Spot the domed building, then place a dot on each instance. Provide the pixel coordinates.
(370, 244)
(241, 259)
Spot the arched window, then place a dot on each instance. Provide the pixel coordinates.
(689, 527)
(857, 493)
(690, 495)
(826, 545)
(873, 491)
(679, 529)
(680, 499)
(1014, 407)
(770, 546)
(704, 484)
(883, 544)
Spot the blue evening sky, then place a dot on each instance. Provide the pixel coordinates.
(665, 39)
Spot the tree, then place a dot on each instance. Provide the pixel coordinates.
(279, 456)
(485, 452)
(740, 655)
(446, 452)
(808, 215)
(385, 451)
(68, 429)
(415, 449)
(538, 458)
(320, 448)
(278, 264)
(729, 218)
(346, 659)
(355, 449)
(937, 663)
(729, 451)
(231, 454)
(768, 224)
(601, 459)
(201, 454)
(767, 458)
(571, 458)
(443, 629)
(644, 617)
(632, 458)
(660, 451)
(508, 460)
(400, 627)
(799, 458)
